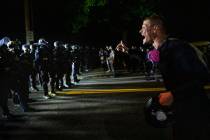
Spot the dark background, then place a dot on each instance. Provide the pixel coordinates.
(52, 20)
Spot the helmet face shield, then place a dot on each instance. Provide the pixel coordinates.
(26, 48)
(4, 41)
(42, 41)
(156, 115)
(13, 46)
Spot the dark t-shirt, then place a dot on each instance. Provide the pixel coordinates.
(183, 71)
(185, 75)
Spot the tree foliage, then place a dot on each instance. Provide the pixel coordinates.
(82, 19)
(114, 19)
(123, 10)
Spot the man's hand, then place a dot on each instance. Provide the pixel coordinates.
(166, 98)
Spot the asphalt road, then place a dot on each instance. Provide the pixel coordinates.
(98, 108)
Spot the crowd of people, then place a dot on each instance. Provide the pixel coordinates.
(133, 59)
(54, 66)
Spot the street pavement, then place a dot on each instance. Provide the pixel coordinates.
(99, 107)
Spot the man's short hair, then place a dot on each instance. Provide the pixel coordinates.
(158, 20)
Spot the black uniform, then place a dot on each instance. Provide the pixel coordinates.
(19, 79)
(75, 64)
(59, 55)
(35, 68)
(44, 59)
(68, 65)
(185, 75)
(26, 62)
(5, 69)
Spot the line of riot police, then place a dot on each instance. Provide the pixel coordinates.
(15, 66)
(22, 67)
(56, 65)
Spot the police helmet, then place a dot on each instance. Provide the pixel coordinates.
(57, 44)
(73, 47)
(11, 44)
(25, 47)
(42, 41)
(157, 115)
(4, 41)
(67, 46)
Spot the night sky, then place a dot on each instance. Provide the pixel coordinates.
(48, 19)
(190, 21)
(12, 19)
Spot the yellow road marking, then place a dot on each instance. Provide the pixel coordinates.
(103, 91)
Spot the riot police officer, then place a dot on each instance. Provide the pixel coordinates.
(26, 62)
(5, 69)
(35, 70)
(18, 77)
(75, 63)
(44, 60)
(59, 57)
(68, 64)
